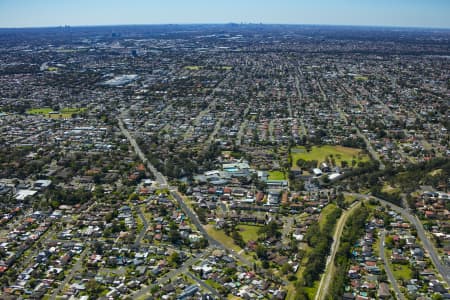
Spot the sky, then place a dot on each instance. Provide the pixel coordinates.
(405, 13)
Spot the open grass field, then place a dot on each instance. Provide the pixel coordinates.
(193, 68)
(220, 236)
(324, 214)
(320, 153)
(349, 199)
(312, 291)
(361, 78)
(249, 232)
(277, 175)
(39, 111)
(64, 113)
(401, 271)
(432, 173)
(233, 297)
(387, 188)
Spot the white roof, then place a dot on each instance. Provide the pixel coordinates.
(44, 183)
(334, 176)
(22, 194)
(317, 171)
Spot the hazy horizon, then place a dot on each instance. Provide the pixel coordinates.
(381, 13)
(228, 23)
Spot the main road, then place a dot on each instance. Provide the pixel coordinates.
(194, 219)
(434, 255)
(161, 179)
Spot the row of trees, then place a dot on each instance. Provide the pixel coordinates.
(406, 178)
(353, 230)
(319, 239)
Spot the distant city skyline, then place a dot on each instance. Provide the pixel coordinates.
(48, 13)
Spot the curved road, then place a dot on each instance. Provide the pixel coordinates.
(441, 268)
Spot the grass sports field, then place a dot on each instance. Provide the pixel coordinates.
(361, 78)
(320, 153)
(64, 113)
(193, 68)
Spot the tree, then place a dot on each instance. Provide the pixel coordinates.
(437, 296)
(174, 236)
(286, 268)
(93, 288)
(98, 247)
(261, 185)
(301, 294)
(389, 242)
(270, 230)
(237, 237)
(182, 188)
(134, 197)
(175, 259)
(261, 252)
(340, 200)
(201, 213)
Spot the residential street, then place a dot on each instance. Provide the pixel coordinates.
(210, 161)
(434, 255)
(388, 270)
